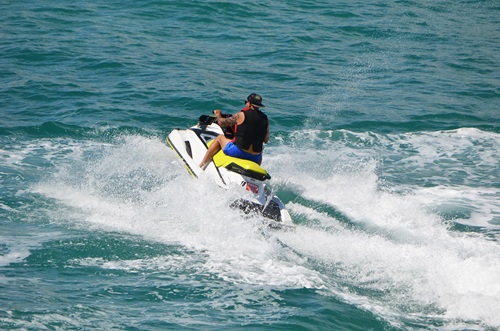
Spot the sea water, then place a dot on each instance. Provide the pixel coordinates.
(385, 146)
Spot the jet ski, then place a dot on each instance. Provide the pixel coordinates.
(191, 145)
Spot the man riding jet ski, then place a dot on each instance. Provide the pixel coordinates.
(251, 130)
(229, 149)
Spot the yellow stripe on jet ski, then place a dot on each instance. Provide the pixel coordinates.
(222, 160)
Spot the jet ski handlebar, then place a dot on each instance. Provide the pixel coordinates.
(209, 119)
(206, 120)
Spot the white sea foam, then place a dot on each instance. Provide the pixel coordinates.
(462, 160)
(15, 254)
(136, 188)
(400, 249)
(17, 246)
(393, 252)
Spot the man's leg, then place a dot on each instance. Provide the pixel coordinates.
(219, 143)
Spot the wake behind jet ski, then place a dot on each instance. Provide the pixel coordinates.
(192, 144)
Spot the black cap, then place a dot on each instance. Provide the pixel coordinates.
(255, 100)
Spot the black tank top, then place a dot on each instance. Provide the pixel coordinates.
(252, 131)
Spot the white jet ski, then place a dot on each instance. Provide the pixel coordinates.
(191, 145)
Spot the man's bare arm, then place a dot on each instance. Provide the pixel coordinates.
(229, 121)
(268, 135)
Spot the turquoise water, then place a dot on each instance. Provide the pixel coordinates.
(385, 142)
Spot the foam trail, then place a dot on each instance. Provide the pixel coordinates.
(390, 254)
(141, 187)
(395, 255)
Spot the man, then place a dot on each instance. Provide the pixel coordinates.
(251, 131)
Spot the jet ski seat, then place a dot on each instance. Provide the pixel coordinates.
(241, 166)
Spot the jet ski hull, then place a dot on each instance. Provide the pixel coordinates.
(191, 145)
